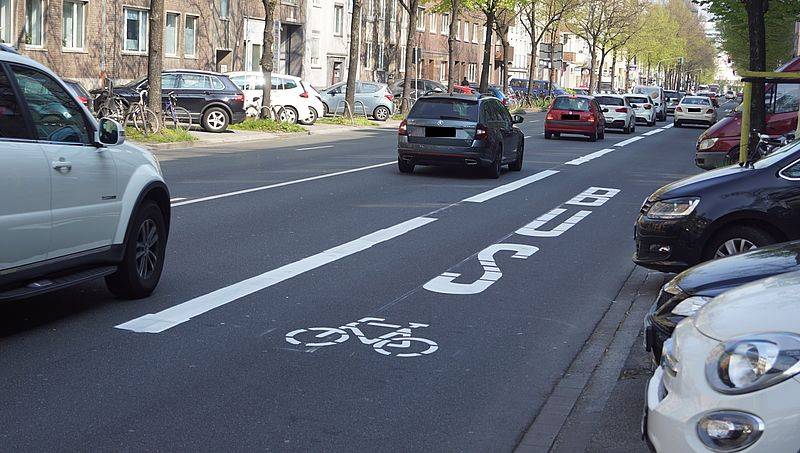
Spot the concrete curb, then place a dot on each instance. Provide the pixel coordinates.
(598, 359)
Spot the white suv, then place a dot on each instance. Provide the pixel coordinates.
(77, 202)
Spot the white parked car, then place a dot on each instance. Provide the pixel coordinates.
(695, 110)
(728, 379)
(78, 203)
(618, 112)
(643, 108)
(301, 102)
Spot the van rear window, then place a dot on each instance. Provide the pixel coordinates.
(569, 103)
(445, 109)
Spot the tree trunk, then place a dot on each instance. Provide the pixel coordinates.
(603, 55)
(487, 54)
(155, 56)
(451, 45)
(613, 69)
(375, 44)
(352, 68)
(531, 67)
(409, 73)
(504, 67)
(267, 62)
(592, 65)
(758, 60)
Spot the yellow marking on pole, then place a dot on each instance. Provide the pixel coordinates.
(744, 137)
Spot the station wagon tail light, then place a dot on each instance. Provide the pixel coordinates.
(648, 106)
(304, 94)
(622, 110)
(481, 132)
(403, 129)
(389, 96)
(678, 109)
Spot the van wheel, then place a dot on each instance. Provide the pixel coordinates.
(215, 119)
(735, 240)
(143, 260)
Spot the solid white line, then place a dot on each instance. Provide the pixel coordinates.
(315, 147)
(588, 157)
(281, 184)
(629, 141)
(178, 314)
(173, 200)
(497, 191)
(527, 137)
(668, 126)
(653, 132)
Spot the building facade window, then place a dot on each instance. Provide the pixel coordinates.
(420, 18)
(402, 58)
(368, 56)
(34, 22)
(171, 34)
(135, 30)
(445, 24)
(443, 71)
(472, 72)
(256, 51)
(475, 33)
(190, 36)
(381, 63)
(458, 29)
(313, 48)
(382, 12)
(6, 20)
(338, 19)
(432, 21)
(72, 24)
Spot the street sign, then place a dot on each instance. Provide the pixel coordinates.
(416, 56)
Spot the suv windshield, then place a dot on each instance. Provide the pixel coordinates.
(570, 103)
(445, 109)
(609, 100)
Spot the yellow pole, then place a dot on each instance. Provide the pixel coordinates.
(744, 138)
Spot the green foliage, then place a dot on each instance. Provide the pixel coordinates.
(267, 125)
(165, 135)
(343, 121)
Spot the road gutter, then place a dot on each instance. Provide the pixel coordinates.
(593, 373)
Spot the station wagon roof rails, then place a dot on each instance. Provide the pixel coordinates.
(9, 49)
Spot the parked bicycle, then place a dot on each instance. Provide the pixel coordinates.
(175, 117)
(276, 112)
(113, 106)
(142, 118)
(398, 342)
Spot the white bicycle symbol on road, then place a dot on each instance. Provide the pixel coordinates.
(397, 342)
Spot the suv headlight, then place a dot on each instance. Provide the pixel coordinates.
(674, 208)
(690, 306)
(707, 143)
(754, 362)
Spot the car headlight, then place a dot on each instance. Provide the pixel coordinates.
(707, 143)
(670, 209)
(690, 306)
(754, 362)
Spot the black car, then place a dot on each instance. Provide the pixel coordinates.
(460, 129)
(693, 288)
(213, 100)
(722, 212)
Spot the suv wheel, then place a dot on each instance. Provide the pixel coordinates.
(143, 259)
(215, 119)
(735, 240)
(381, 113)
(493, 171)
(405, 167)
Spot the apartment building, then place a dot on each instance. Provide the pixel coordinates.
(82, 39)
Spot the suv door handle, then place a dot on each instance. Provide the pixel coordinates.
(62, 165)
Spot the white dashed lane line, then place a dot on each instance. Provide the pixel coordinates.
(527, 137)
(588, 157)
(315, 147)
(629, 141)
(497, 191)
(173, 200)
(653, 132)
(668, 126)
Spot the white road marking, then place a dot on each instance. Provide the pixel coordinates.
(315, 147)
(173, 200)
(668, 126)
(629, 141)
(527, 137)
(653, 132)
(588, 157)
(497, 191)
(532, 229)
(281, 184)
(596, 199)
(178, 314)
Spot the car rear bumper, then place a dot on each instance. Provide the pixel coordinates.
(570, 127)
(426, 154)
(238, 117)
(695, 118)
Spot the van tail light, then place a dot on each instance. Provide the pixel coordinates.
(389, 96)
(591, 118)
(648, 106)
(403, 129)
(622, 110)
(678, 109)
(550, 115)
(710, 111)
(304, 94)
(481, 132)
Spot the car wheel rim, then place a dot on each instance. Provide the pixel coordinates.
(290, 116)
(383, 114)
(734, 247)
(216, 120)
(146, 246)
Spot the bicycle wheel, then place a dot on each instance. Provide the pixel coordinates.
(405, 344)
(326, 333)
(144, 120)
(179, 118)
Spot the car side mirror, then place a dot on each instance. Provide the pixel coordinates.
(516, 119)
(110, 133)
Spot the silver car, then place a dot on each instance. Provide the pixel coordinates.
(372, 99)
(695, 110)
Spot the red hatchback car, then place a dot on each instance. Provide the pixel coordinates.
(574, 114)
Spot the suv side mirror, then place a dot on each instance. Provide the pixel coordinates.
(110, 133)
(516, 119)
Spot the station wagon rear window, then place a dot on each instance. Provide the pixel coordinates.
(609, 100)
(445, 109)
(568, 103)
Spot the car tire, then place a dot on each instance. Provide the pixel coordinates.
(517, 164)
(405, 167)
(557, 134)
(627, 129)
(548, 135)
(136, 278)
(493, 170)
(215, 119)
(312, 117)
(289, 115)
(633, 127)
(737, 239)
(593, 136)
(652, 122)
(381, 113)
(602, 134)
(678, 124)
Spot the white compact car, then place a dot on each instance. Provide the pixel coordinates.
(642, 107)
(301, 102)
(728, 379)
(695, 110)
(78, 203)
(656, 94)
(618, 112)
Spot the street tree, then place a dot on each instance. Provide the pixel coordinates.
(355, 45)
(502, 23)
(490, 10)
(267, 58)
(410, 7)
(155, 56)
(537, 18)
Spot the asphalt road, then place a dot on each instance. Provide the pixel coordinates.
(280, 237)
